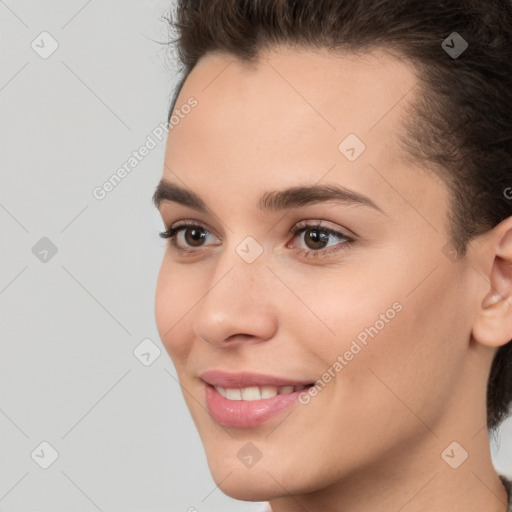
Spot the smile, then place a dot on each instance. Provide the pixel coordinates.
(257, 393)
(245, 400)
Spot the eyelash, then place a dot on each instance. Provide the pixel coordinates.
(301, 227)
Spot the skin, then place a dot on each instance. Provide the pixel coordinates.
(372, 439)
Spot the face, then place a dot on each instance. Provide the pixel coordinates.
(306, 250)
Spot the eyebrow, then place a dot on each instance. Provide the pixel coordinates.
(293, 197)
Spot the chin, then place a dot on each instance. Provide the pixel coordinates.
(245, 485)
(265, 481)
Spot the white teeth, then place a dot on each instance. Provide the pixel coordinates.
(286, 390)
(268, 392)
(250, 394)
(233, 394)
(256, 393)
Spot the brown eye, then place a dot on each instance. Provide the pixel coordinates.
(188, 237)
(195, 236)
(315, 238)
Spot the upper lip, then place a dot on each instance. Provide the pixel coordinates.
(246, 379)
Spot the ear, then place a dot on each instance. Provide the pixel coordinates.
(493, 324)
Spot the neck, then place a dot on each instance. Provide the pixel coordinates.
(418, 480)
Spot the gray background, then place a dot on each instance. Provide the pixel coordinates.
(70, 324)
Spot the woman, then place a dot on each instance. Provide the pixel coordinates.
(336, 294)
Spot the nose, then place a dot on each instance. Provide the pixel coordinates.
(238, 306)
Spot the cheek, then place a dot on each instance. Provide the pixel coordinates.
(420, 355)
(174, 302)
(339, 307)
(411, 336)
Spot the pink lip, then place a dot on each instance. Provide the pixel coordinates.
(240, 413)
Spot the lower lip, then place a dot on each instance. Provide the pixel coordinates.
(244, 414)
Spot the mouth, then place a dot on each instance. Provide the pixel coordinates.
(245, 400)
(253, 393)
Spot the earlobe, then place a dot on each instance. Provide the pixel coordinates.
(493, 324)
(493, 327)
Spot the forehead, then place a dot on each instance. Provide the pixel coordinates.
(288, 95)
(316, 83)
(285, 118)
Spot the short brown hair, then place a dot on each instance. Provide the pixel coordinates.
(462, 122)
